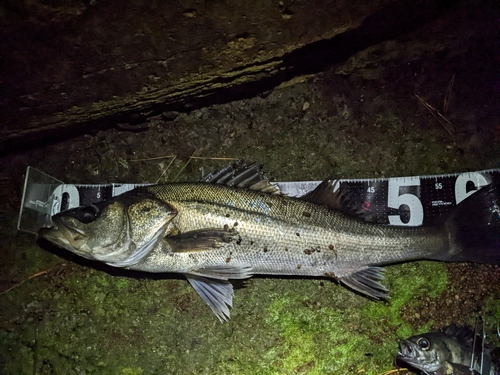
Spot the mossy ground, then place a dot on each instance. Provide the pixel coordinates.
(331, 339)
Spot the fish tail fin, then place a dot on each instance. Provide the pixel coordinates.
(474, 229)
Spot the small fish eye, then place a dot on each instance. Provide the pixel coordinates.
(423, 343)
(87, 214)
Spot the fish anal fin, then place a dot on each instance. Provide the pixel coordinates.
(217, 294)
(367, 282)
(200, 240)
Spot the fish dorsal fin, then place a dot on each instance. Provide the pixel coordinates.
(367, 282)
(242, 174)
(332, 195)
(325, 194)
(463, 334)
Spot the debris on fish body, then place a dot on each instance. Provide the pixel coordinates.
(452, 351)
(235, 224)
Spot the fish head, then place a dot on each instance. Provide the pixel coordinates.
(422, 352)
(118, 232)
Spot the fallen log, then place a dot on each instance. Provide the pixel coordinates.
(67, 70)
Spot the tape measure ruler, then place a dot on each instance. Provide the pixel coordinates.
(411, 201)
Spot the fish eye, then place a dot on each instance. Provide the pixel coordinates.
(87, 214)
(423, 343)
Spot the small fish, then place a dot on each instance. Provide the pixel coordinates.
(235, 224)
(452, 351)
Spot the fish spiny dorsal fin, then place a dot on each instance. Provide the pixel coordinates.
(241, 174)
(332, 195)
(463, 334)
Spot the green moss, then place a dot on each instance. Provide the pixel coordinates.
(102, 280)
(132, 371)
(297, 331)
(407, 282)
(333, 339)
(122, 282)
(492, 308)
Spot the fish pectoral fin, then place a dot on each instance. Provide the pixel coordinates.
(217, 294)
(367, 282)
(226, 271)
(200, 240)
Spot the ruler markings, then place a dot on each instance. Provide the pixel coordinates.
(405, 200)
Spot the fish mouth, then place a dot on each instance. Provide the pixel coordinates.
(64, 235)
(408, 354)
(404, 350)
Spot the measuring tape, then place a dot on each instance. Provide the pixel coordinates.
(410, 201)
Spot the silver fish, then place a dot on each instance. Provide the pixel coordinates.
(237, 225)
(452, 351)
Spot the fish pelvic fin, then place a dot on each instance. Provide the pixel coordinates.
(367, 282)
(473, 229)
(217, 294)
(212, 286)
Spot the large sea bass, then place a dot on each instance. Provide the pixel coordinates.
(238, 225)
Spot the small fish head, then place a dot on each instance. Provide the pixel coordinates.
(421, 352)
(119, 232)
